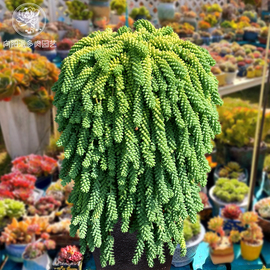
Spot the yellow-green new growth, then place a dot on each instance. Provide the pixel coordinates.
(137, 111)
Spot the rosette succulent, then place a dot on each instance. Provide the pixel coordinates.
(137, 111)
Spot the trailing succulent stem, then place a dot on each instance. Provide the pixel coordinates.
(137, 111)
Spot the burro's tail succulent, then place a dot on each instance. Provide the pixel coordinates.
(137, 111)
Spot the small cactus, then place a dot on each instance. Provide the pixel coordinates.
(235, 236)
(216, 224)
(212, 239)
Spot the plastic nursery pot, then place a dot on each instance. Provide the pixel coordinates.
(230, 77)
(262, 40)
(242, 72)
(124, 244)
(217, 203)
(206, 40)
(15, 252)
(250, 36)
(258, 72)
(231, 224)
(251, 252)
(192, 245)
(43, 181)
(41, 263)
(82, 26)
(64, 266)
(221, 79)
(250, 74)
(166, 11)
(243, 177)
(223, 254)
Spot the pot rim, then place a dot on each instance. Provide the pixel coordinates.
(190, 244)
(254, 245)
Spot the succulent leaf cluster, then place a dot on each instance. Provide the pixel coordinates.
(137, 111)
(191, 229)
(230, 190)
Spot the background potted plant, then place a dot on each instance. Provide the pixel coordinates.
(35, 255)
(166, 10)
(18, 234)
(80, 14)
(44, 44)
(217, 35)
(212, 20)
(228, 191)
(262, 208)
(206, 37)
(252, 237)
(78, 162)
(68, 257)
(118, 7)
(40, 166)
(239, 34)
(194, 234)
(258, 70)
(10, 209)
(197, 39)
(230, 71)
(231, 170)
(221, 248)
(64, 46)
(231, 215)
(251, 33)
(24, 82)
(190, 17)
(16, 185)
(263, 35)
(219, 75)
(140, 13)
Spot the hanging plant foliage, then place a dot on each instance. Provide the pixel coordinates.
(137, 111)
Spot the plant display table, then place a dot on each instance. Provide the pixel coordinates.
(201, 261)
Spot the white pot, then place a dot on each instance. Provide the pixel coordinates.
(230, 77)
(217, 203)
(42, 262)
(61, 34)
(82, 26)
(192, 246)
(166, 11)
(24, 132)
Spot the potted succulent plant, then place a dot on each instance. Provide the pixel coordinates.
(16, 185)
(130, 154)
(251, 14)
(238, 142)
(64, 46)
(35, 255)
(221, 246)
(45, 206)
(140, 13)
(40, 166)
(252, 237)
(262, 207)
(227, 191)
(119, 6)
(62, 29)
(80, 15)
(56, 190)
(166, 10)
(263, 35)
(9, 209)
(68, 257)
(204, 26)
(25, 101)
(190, 17)
(250, 72)
(230, 36)
(258, 70)
(197, 39)
(206, 37)
(239, 34)
(212, 20)
(230, 71)
(45, 45)
(231, 170)
(242, 69)
(18, 234)
(251, 33)
(231, 215)
(193, 234)
(217, 35)
(219, 75)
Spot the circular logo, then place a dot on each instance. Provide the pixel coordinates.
(28, 20)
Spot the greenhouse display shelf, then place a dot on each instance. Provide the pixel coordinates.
(239, 85)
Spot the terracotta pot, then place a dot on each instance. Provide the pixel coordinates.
(222, 255)
(251, 252)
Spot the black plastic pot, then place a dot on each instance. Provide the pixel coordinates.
(124, 249)
(43, 181)
(243, 156)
